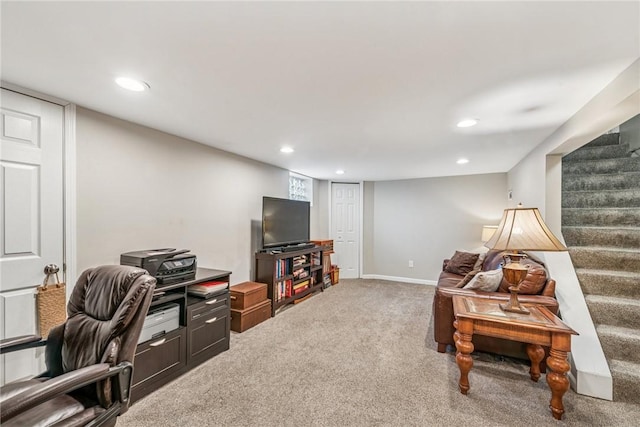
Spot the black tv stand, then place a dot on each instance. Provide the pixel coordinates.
(290, 276)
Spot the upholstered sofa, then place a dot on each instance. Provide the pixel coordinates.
(538, 287)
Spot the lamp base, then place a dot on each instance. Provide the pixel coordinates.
(514, 273)
(513, 305)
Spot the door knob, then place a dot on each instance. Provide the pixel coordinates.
(51, 269)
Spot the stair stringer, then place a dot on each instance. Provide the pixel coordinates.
(590, 373)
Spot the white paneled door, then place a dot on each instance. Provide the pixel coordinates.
(345, 228)
(31, 214)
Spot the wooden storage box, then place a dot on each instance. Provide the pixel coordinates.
(246, 295)
(241, 320)
(328, 244)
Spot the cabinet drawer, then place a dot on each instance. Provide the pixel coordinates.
(207, 307)
(209, 334)
(159, 358)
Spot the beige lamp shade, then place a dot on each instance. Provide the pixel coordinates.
(523, 229)
(487, 232)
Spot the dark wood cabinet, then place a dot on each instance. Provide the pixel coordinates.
(208, 327)
(204, 332)
(158, 361)
(290, 276)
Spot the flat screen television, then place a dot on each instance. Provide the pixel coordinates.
(284, 222)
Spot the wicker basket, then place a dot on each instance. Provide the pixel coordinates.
(335, 274)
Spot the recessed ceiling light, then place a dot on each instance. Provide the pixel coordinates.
(340, 172)
(286, 150)
(462, 161)
(466, 123)
(132, 84)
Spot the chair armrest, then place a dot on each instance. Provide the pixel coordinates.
(22, 342)
(49, 389)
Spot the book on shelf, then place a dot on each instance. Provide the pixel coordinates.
(288, 288)
(300, 285)
(300, 290)
(315, 258)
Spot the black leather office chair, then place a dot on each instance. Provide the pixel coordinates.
(89, 358)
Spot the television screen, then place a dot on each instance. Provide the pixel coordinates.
(284, 222)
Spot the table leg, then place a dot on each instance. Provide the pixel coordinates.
(536, 354)
(462, 337)
(557, 380)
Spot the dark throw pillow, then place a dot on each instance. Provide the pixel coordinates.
(461, 263)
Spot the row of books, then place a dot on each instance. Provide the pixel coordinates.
(299, 260)
(283, 289)
(286, 289)
(299, 287)
(283, 268)
(300, 273)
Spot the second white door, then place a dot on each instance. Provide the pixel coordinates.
(345, 228)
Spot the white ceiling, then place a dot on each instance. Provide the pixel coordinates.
(372, 88)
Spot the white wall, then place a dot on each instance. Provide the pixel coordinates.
(138, 188)
(615, 104)
(536, 181)
(426, 220)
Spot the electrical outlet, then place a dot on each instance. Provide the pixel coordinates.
(410, 263)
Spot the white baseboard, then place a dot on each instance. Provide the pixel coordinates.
(400, 279)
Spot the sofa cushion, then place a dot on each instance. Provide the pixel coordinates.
(533, 283)
(448, 280)
(487, 281)
(461, 262)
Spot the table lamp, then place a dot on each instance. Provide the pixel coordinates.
(487, 232)
(521, 229)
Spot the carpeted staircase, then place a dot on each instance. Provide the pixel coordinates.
(601, 226)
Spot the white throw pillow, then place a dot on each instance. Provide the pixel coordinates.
(487, 281)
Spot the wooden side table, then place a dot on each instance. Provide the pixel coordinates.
(483, 316)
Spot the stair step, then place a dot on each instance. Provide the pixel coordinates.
(626, 381)
(586, 167)
(622, 284)
(601, 258)
(610, 181)
(623, 312)
(617, 237)
(620, 343)
(629, 198)
(598, 152)
(601, 216)
(606, 139)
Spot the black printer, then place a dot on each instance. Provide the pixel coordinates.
(167, 265)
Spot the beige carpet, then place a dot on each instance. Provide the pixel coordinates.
(359, 354)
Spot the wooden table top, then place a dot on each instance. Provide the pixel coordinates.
(478, 308)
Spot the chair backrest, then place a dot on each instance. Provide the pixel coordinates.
(106, 312)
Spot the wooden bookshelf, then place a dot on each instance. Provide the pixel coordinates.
(290, 276)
